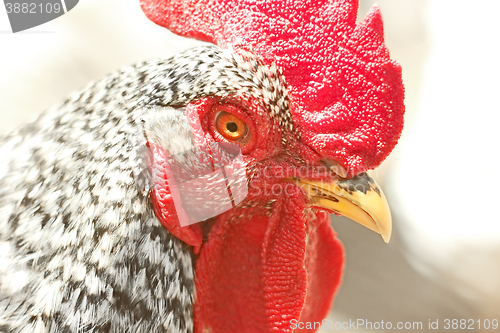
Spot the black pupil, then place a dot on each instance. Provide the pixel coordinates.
(232, 127)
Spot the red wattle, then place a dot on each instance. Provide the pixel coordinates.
(324, 264)
(263, 273)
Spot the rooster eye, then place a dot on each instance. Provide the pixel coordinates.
(231, 127)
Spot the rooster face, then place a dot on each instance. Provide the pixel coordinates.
(309, 122)
(274, 257)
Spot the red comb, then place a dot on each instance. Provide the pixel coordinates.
(346, 93)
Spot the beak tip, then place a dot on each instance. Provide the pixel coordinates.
(385, 230)
(386, 237)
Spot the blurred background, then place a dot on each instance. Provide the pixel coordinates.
(443, 261)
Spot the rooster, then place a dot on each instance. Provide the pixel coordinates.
(91, 237)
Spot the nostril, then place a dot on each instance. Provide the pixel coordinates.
(335, 167)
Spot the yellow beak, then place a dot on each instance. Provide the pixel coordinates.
(358, 198)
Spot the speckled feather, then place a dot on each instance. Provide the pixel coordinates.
(81, 249)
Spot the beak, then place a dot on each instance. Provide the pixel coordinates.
(358, 198)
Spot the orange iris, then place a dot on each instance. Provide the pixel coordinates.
(231, 127)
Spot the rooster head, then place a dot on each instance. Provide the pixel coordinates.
(313, 101)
